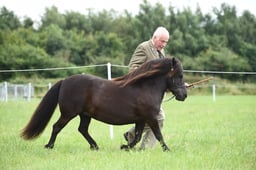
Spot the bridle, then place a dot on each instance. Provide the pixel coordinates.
(190, 85)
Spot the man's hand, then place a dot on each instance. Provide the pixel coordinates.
(187, 85)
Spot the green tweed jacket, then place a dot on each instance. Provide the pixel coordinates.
(143, 53)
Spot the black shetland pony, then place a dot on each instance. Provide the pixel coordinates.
(132, 98)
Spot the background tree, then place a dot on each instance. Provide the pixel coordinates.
(53, 17)
(220, 41)
(148, 19)
(8, 20)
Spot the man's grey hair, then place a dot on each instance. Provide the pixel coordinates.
(160, 31)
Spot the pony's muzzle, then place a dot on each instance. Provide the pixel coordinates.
(181, 97)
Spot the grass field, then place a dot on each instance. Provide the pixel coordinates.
(201, 134)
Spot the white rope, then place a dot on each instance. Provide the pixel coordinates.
(218, 72)
(115, 65)
(49, 69)
(78, 67)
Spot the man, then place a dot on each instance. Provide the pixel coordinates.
(148, 50)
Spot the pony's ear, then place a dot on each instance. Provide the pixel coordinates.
(173, 63)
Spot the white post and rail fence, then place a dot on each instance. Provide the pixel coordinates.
(10, 91)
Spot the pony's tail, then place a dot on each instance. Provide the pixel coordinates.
(42, 114)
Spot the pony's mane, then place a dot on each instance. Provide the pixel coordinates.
(147, 70)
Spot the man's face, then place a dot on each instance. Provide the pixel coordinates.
(160, 42)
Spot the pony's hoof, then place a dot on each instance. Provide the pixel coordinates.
(125, 147)
(48, 146)
(94, 148)
(166, 149)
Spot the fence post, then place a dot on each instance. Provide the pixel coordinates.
(15, 91)
(5, 91)
(49, 86)
(213, 92)
(109, 78)
(29, 91)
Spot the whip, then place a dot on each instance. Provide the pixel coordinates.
(198, 82)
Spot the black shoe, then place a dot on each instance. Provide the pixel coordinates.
(126, 136)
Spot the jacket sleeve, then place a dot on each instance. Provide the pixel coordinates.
(138, 58)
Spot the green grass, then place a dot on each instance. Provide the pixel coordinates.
(201, 134)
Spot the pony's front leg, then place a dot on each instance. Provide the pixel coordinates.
(164, 146)
(138, 133)
(157, 132)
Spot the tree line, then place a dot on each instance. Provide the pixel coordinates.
(218, 41)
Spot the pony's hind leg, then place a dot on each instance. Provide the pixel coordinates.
(57, 127)
(138, 133)
(83, 129)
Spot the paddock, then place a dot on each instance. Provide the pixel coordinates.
(201, 134)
